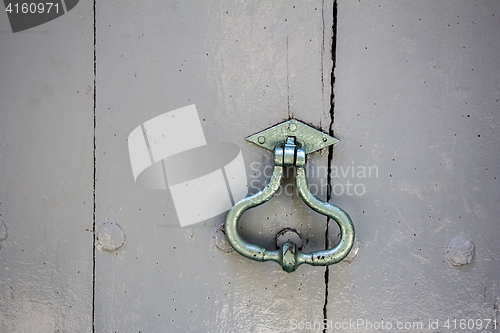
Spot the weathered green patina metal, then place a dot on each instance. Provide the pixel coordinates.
(291, 141)
(309, 138)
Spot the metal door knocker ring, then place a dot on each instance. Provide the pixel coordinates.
(291, 141)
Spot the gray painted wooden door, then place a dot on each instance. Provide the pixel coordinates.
(410, 88)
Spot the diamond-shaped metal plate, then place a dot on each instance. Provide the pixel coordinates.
(308, 138)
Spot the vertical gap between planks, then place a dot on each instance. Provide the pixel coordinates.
(94, 178)
(287, 80)
(330, 149)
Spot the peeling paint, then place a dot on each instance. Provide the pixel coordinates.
(3, 231)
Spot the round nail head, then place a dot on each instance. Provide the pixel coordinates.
(110, 236)
(289, 235)
(460, 252)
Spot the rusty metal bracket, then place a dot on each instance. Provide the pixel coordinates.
(291, 141)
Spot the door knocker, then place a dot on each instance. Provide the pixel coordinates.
(291, 141)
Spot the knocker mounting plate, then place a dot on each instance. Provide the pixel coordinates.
(310, 139)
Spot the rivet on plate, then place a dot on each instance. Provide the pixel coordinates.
(262, 139)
